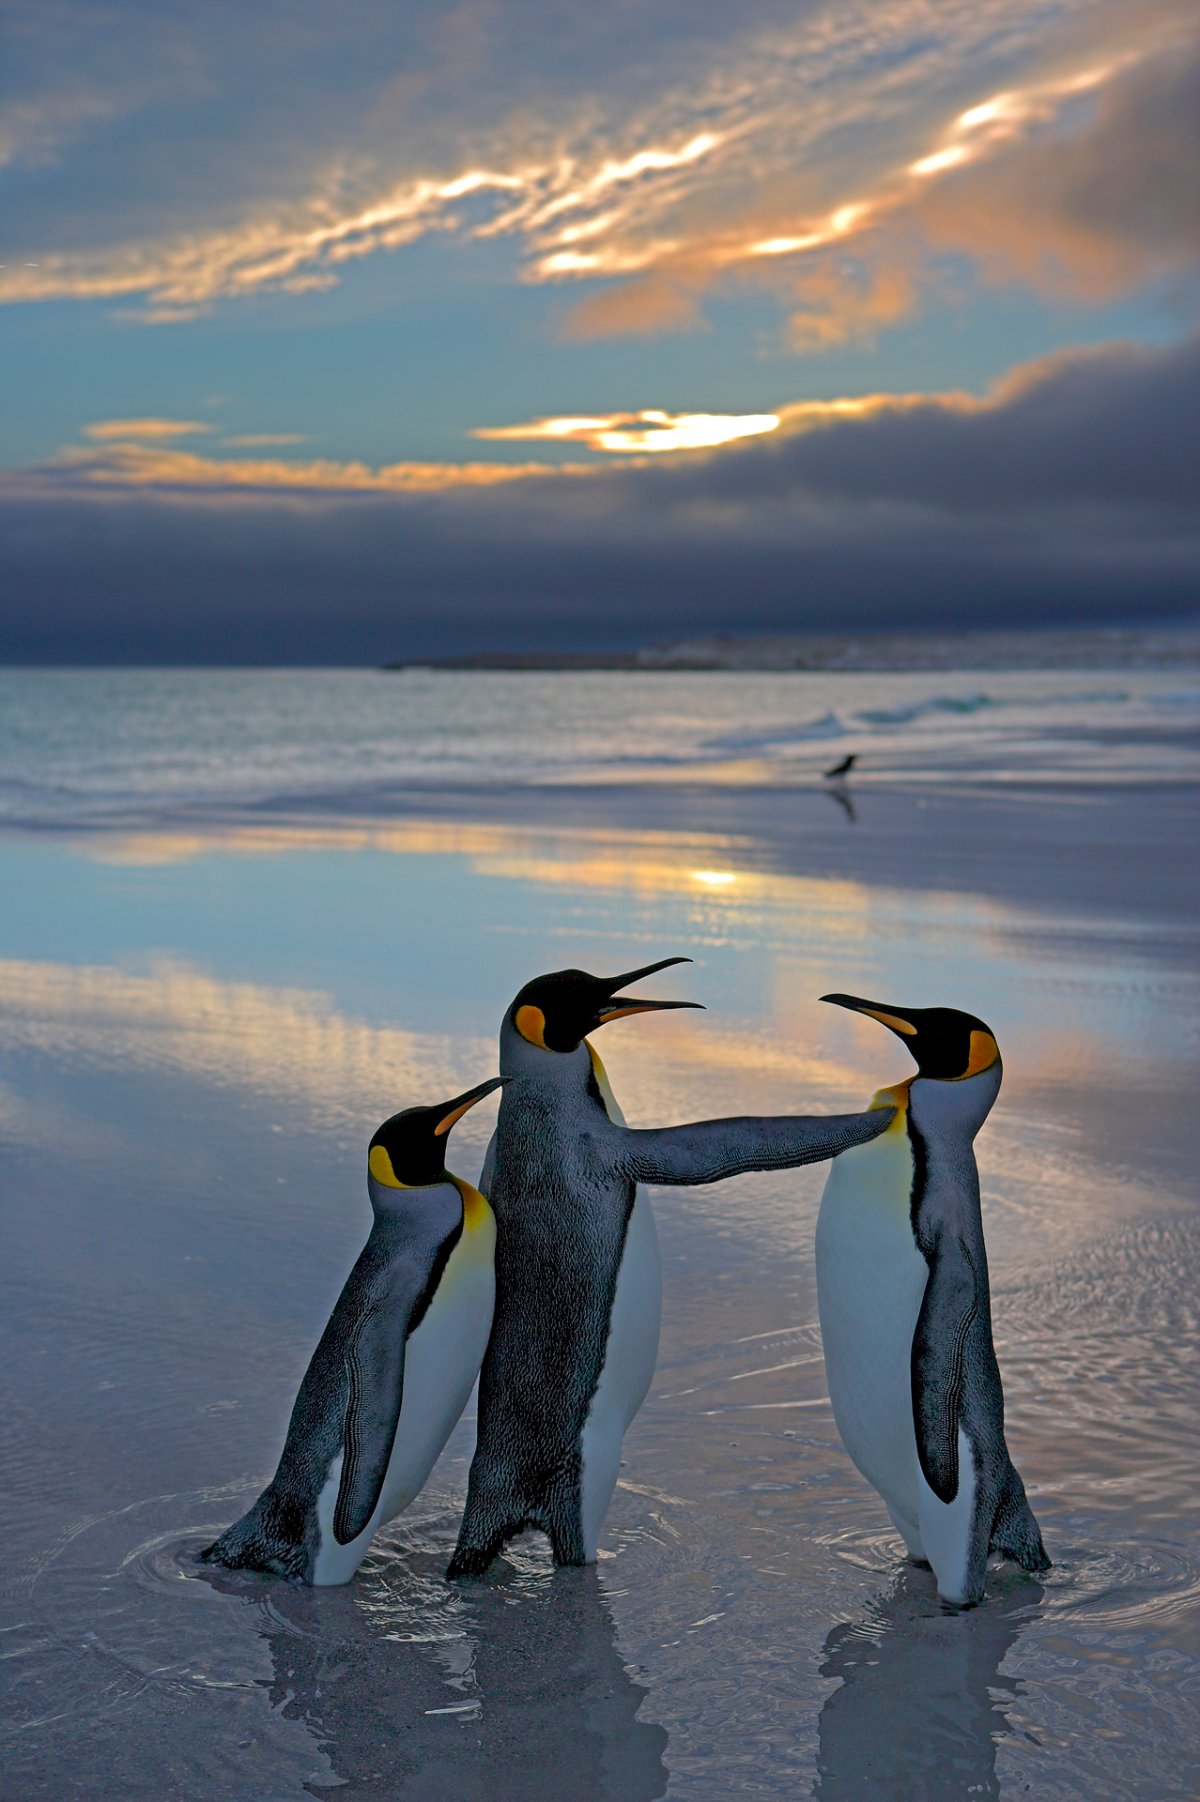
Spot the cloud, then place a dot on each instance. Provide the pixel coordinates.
(835, 303)
(635, 309)
(1078, 185)
(140, 462)
(1070, 492)
(684, 155)
(1091, 211)
(142, 430)
(649, 431)
(261, 440)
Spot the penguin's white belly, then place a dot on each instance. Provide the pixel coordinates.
(629, 1360)
(441, 1362)
(871, 1281)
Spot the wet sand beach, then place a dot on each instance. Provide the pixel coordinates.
(203, 1015)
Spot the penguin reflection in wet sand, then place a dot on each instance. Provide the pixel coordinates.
(902, 1289)
(578, 1277)
(394, 1367)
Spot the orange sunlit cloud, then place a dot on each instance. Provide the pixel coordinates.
(637, 433)
(120, 458)
(579, 211)
(137, 464)
(148, 430)
(1005, 116)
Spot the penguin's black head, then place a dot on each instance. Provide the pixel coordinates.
(409, 1150)
(556, 1012)
(946, 1044)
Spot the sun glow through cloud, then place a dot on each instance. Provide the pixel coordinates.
(637, 433)
(139, 454)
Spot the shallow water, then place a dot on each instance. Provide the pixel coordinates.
(191, 1061)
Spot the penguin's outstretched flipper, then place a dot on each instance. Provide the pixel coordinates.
(375, 1392)
(709, 1150)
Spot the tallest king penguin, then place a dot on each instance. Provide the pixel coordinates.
(578, 1277)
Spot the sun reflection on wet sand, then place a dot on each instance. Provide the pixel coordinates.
(284, 1043)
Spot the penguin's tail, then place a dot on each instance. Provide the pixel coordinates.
(1015, 1532)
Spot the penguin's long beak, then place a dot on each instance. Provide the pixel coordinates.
(464, 1103)
(891, 1017)
(617, 1009)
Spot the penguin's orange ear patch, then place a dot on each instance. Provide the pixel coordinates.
(982, 1054)
(530, 1022)
(380, 1166)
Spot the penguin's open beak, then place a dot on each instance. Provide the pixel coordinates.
(890, 1017)
(464, 1103)
(617, 1009)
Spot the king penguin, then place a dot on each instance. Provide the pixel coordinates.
(578, 1275)
(394, 1366)
(902, 1291)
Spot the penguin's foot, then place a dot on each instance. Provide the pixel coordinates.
(472, 1557)
(470, 1561)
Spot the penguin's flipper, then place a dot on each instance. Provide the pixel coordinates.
(938, 1366)
(708, 1150)
(375, 1382)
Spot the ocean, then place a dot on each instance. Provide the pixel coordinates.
(245, 915)
(79, 746)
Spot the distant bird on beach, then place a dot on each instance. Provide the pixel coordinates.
(843, 768)
(902, 1292)
(394, 1367)
(578, 1274)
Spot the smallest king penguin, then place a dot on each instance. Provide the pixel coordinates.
(394, 1367)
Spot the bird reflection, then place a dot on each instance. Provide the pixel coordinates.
(508, 1689)
(922, 1703)
(841, 795)
(837, 776)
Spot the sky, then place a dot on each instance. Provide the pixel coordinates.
(358, 332)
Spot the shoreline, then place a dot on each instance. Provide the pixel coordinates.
(1108, 849)
(1090, 649)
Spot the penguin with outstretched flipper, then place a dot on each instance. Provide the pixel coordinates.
(394, 1367)
(902, 1289)
(578, 1275)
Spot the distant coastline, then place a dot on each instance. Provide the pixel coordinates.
(1085, 648)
